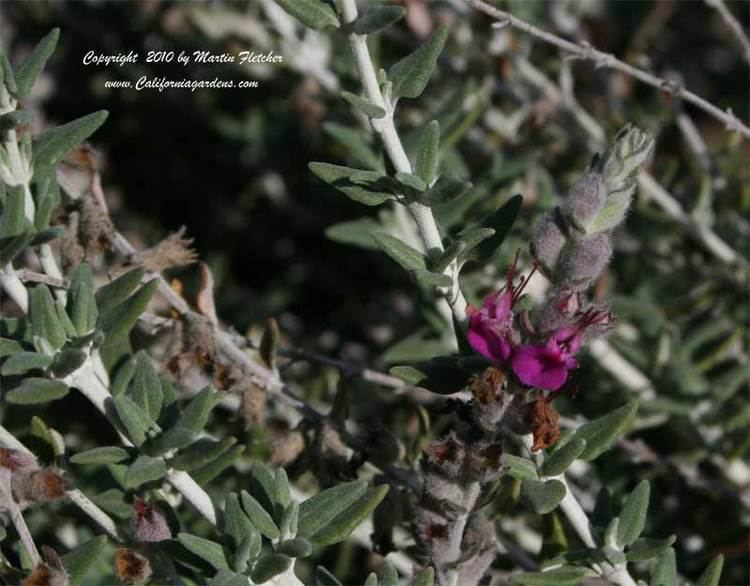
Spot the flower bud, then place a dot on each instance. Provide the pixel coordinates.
(39, 486)
(446, 455)
(583, 260)
(548, 240)
(49, 572)
(584, 201)
(149, 524)
(17, 461)
(558, 312)
(131, 567)
(621, 162)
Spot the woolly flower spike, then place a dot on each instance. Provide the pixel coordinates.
(491, 331)
(149, 523)
(547, 366)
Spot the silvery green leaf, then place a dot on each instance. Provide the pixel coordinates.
(633, 514)
(119, 320)
(37, 390)
(324, 578)
(22, 362)
(646, 549)
(406, 256)
(428, 153)
(52, 145)
(410, 181)
(205, 549)
(270, 565)
(8, 347)
(315, 14)
(206, 473)
(389, 576)
(227, 578)
(78, 562)
(113, 502)
(664, 570)
(190, 423)
(47, 235)
(377, 18)
(356, 232)
(442, 375)
(471, 238)
(341, 526)
(48, 198)
(122, 377)
(258, 515)
(236, 523)
(114, 293)
(501, 221)
(712, 574)
(145, 469)
(559, 461)
(364, 187)
(320, 509)
(202, 452)
(299, 547)
(601, 433)
(444, 190)
(613, 213)
(354, 143)
(410, 75)
(543, 496)
(103, 455)
(135, 419)
(146, 387)
(429, 279)
(282, 496)
(425, 577)
(14, 119)
(372, 580)
(364, 105)
(45, 320)
(81, 305)
(6, 74)
(519, 468)
(562, 576)
(289, 520)
(243, 552)
(11, 247)
(13, 219)
(30, 69)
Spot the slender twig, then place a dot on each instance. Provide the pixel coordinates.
(602, 59)
(733, 24)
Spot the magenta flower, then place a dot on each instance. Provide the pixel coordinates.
(547, 366)
(491, 331)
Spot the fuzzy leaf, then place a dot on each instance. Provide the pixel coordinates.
(501, 221)
(356, 232)
(30, 69)
(205, 549)
(645, 549)
(81, 300)
(24, 361)
(429, 149)
(543, 496)
(37, 390)
(79, 561)
(227, 578)
(410, 181)
(315, 14)
(52, 145)
(712, 574)
(144, 469)
(565, 575)
(320, 509)
(560, 459)
(365, 187)
(425, 578)
(664, 570)
(299, 547)
(236, 524)
(258, 515)
(134, 418)
(114, 293)
(410, 75)
(270, 565)
(445, 189)
(442, 375)
(205, 474)
(67, 361)
(146, 386)
(406, 256)
(364, 105)
(13, 219)
(45, 320)
(202, 452)
(119, 320)
(377, 18)
(519, 468)
(601, 433)
(8, 347)
(281, 492)
(389, 576)
(343, 524)
(429, 279)
(47, 235)
(633, 514)
(103, 455)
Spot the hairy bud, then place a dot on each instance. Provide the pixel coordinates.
(584, 201)
(548, 241)
(149, 524)
(39, 486)
(50, 572)
(621, 162)
(583, 260)
(131, 567)
(558, 312)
